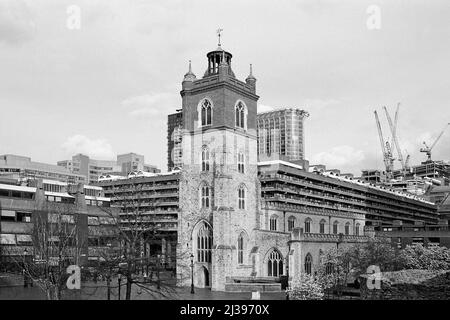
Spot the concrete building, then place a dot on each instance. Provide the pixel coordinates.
(20, 167)
(155, 197)
(174, 138)
(281, 132)
(80, 205)
(92, 169)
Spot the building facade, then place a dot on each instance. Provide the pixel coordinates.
(92, 169)
(24, 207)
(174, 138)
(20, 167)
(155, 199)
(281, 132)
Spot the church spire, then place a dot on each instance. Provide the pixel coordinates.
(189, 76)
(251, 80)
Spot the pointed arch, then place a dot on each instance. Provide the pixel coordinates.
(205, 195)
(274, 260)
(291, 223)
(242, 190)
(202, 238)
(308, 263)
(241, 111)
(205, 111)
(322, 224)
(206, 158)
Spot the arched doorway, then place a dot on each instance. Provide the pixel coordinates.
(205, 277)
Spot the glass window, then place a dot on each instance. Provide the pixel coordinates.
(205, 196)
(241, 196)
(291, 223)
(205, 159)
(273, 223)
(275, 264)
(308, 264)
(204, 243)
(335, 227)
(206, 111)
(322, 226)
(307, 225)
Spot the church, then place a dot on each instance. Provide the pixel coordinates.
(227, 233)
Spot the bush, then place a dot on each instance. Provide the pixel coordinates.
(305, 287)
(432, 258)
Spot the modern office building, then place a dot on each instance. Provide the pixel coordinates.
(92, 169)
(281, 132)
(174, 140)
(20, 167)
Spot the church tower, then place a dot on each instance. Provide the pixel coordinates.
(219, 188)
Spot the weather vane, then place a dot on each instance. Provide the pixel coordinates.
(219, 31)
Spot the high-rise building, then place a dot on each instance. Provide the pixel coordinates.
(20, 167)
(92, 169)
(281, 134)
(174, 140)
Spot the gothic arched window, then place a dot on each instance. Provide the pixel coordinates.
(205, 159)
(273, 223)
(240, 115)
(347, 228)
(322, 226)
(241, 162)
(357, 229)
(335, 227)
(275, 264)
(291, 223)
(308, 263)
(308, 225)
(206, 196)
(204, 243)
(206, 112)
(241, 197)
(241, 248)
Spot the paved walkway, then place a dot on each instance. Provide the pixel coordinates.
(98, 291)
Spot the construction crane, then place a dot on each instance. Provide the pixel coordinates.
(386, 149)
(428, 149)
(394, 139)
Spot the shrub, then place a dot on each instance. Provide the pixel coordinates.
(305, 287)
(432, 258)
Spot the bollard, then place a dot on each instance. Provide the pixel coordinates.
(256, 295)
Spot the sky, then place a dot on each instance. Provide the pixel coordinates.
(99, 77)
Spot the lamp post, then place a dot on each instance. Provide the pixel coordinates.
(340, 239)
(192, 273)
(119, 280)
(25, 280)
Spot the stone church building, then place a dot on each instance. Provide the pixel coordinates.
(225, 232)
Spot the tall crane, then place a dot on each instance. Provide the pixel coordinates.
(428, 149)
(394, 139)
(386, 150)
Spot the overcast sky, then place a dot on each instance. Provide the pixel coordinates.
(107, 87)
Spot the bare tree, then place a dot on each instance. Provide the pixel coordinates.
(136, 228)
(56, 244)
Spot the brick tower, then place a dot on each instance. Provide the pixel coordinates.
(219, 189)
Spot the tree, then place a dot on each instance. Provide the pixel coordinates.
(135, 227)
(334, 268)
(55, 244)
(375, 252)
(305, 287)
(420, 257)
